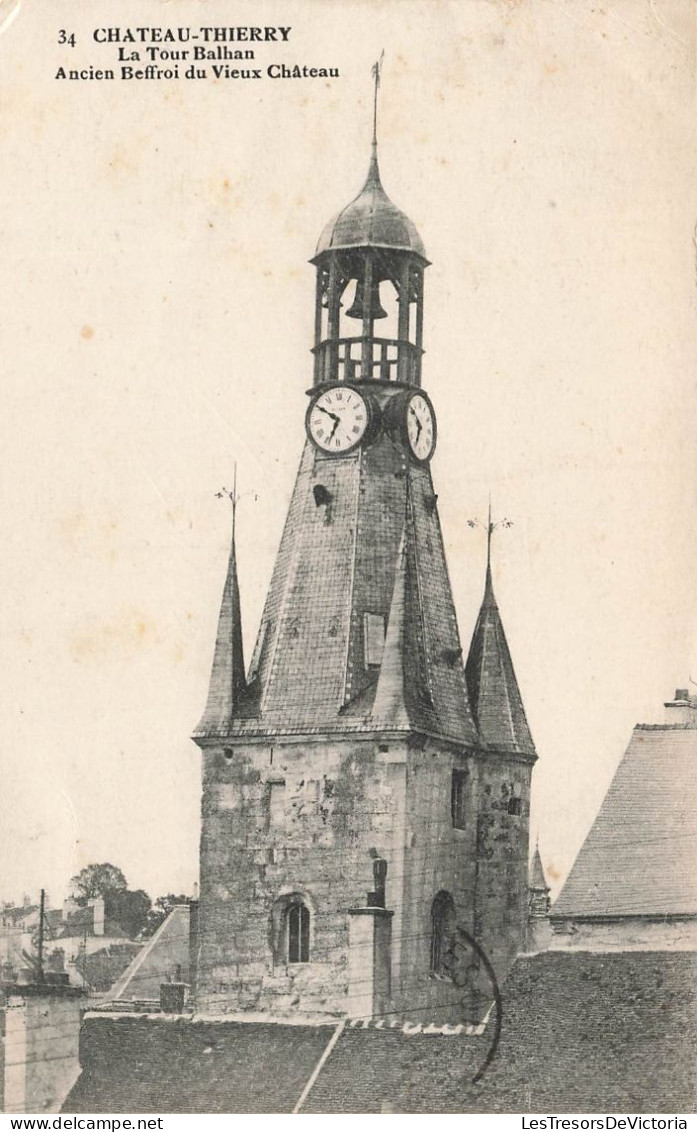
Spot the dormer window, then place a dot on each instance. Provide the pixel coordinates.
(373, 638)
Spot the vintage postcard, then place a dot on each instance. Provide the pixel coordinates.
(348, 635)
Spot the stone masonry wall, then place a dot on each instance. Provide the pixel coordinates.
(344, 802)
(500, 921)
(41, 1055)
(340, 803)
(483, 867)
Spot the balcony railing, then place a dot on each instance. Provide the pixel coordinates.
(367, 359)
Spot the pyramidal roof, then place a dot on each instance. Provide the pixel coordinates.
(639, 856)
(538, 880)
(228, 673)
(494, 695)
(359, 631)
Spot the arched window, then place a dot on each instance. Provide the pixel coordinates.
(298, 927)
(291, 920)
(442, 933)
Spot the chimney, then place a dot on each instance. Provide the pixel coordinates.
(376, 899)
(97, 906)
(370, 951)
(682, 710)
(42, 1023)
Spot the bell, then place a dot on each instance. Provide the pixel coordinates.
(358, 310)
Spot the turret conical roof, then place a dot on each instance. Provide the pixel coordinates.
(538, 880)
(228, 680)
(494, 695)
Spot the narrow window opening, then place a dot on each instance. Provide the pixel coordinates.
(515, 806)
(442, 935)
(298, 934)
(458, 799)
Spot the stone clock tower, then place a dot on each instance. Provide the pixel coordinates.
(365, 793)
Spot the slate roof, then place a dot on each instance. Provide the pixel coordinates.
(581, 1032)
(100, 969)
(136, 1063)
(371, 220)
(639, 856)
(372, 1071)
(228, 671)
(337, 562)
(538, 879)
(494, 695)
(157, 959)
(585, 1032)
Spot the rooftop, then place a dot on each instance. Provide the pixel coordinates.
(639, 856)
(580, 1032)
(371, 220)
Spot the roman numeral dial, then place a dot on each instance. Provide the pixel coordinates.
(420, 427)
(337, 419)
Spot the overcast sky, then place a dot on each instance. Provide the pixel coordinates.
(157, 309)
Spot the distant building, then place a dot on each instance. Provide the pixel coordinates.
(634, 882)
(94, 948)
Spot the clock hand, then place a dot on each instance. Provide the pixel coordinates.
(328, 414)
(337, 422)
(419, 426)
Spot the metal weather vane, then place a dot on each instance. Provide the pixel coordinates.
(376, 69)
(490, 528)
(234, 496)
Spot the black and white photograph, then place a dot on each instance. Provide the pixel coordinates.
(349, 713)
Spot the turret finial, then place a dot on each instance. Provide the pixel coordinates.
(490, 528)
(489, 532)
(377, 68)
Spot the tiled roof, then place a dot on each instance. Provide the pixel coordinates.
(581, 1032)
(494, 695)
(228, 672)
(157, 959)
(135, 1063)
(639, 857)
(372, 1071)
(586, 1032)
(538, 879)
(337, 562)
(100, 969)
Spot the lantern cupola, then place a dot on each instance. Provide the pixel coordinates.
(370, 264)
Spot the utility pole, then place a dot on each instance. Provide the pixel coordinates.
(40, 965)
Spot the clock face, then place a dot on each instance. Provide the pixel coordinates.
(337, 420)
(421, 427)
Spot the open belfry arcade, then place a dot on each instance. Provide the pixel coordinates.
(366, 788)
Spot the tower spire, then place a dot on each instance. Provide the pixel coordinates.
(491, 681)
(374, 169)
(377, 68)
(228, 681)
(489, 585)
